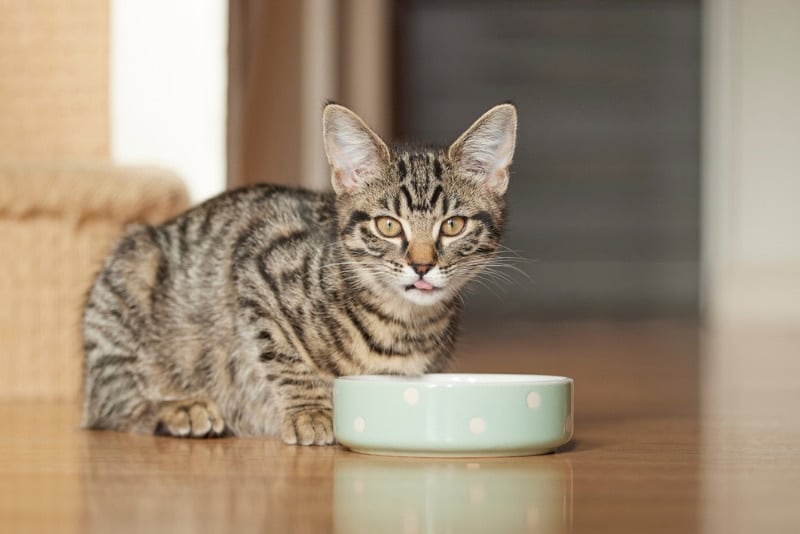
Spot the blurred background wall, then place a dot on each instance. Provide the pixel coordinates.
(604, 196)
(656, 172)
(656, 168)
(604, 201)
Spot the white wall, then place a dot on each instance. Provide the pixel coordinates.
(169, 88)
(752, 161)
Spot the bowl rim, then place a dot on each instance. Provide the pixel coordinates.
(460, 380)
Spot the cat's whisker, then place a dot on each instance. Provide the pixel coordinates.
(491, 289)
(492, 277)
(488, 276)
(514, 253)
(497, 278)
(498, 265)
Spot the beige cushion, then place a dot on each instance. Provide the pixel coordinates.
(57, 223)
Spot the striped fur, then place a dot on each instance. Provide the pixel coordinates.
(235, 317)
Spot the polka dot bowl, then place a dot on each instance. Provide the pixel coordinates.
(465, 415)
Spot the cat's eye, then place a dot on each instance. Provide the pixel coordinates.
(453, 226)
(388, 226)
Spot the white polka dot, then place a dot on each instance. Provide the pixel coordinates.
(568, 424)
(477, 425)
(473, 466)
(534, 400)
(358, 487)
(360, 424)
(411, 396)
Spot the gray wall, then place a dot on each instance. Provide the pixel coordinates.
(604, 200)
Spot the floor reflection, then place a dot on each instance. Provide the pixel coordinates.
(147, 483)
(141, 483)
(411, 495)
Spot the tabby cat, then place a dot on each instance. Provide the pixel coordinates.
(235, 317)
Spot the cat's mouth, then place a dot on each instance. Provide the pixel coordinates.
(422, 285)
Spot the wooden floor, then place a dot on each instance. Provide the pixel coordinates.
(676, 431)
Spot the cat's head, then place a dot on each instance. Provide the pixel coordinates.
(420, 222)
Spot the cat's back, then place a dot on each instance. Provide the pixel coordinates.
(188, 260)
(226, 221)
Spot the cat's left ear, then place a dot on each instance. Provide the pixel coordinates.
(355, 153)
(485, 150)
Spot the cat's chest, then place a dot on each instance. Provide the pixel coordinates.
(413, 364)
(397, 350)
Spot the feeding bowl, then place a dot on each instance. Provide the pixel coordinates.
(460, 415)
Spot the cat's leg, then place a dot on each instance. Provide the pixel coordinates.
(122, 408)
(303, 396)
(128, 383)
(112, 398)
(306, 407)
(120, 391)
(118, 397)
(301, 393)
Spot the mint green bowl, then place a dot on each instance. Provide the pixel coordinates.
(453, 414)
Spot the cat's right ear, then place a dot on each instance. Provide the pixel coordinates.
(355, 153)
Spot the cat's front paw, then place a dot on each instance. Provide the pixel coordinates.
(190, 419)
(308, 427)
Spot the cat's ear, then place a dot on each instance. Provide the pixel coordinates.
(355, 153)
(485, 150)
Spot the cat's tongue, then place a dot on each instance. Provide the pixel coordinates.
(422, 284)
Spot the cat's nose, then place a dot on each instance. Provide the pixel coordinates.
(421, 257)
(421, 268)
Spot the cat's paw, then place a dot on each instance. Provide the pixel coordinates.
(190, 419)
(308, 427)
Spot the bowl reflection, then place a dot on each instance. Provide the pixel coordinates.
(415, 495)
